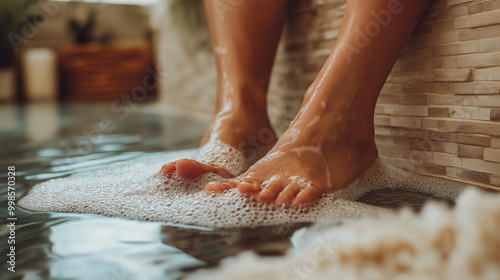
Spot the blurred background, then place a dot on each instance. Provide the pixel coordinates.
(75, 51)
(438, 113)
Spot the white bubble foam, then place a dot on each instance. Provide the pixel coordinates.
(222, 155)
(129, 190)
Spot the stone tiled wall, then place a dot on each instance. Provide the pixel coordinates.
(439, 112)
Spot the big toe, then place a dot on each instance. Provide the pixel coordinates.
(308, 195)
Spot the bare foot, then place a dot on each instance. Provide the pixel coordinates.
(239, 135)
(327, 146)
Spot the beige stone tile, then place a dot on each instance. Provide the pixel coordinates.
(442, 112)
(495, 180)
(409, 53)
(381, 120)
(423, 144)
(492, 154)
(489, 45)
(470, 151)
(395, 68)
(448, 37)
(384, 140)
(421, 87)
(490, 31)
(402, 77)
(380, 109)
(443, 136)
(447, 13)
(444, 62)
(430, 124)
(487, 74)
(479, 60)
(485, 19)
(405, 122)
(488, 101)
(402, 141)
(495, 115)
(454, 75)
(405, 110)
(410, 132)
(411, 65)
(421, 156)
(461, 22)
(468, 175)
(477, 88)
(469, 127)
(387, 99)
(455, 49)
(477, 140)
(470, 113)
(442, 26)
(435, 146)
(481, 166)
(383, 130)
(447, 160)
(394, 151)
(495, 142)
(391, 88)
(449, 148)
(430, 168)
(476, 8)
(442, 99)
(413, 99)
(492, 5)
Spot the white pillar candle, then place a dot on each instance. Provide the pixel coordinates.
(40, 74)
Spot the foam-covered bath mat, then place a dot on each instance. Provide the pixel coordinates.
(130, 190)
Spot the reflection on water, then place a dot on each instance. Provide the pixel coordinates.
(50, 141)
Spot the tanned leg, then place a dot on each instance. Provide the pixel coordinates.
(245, 35)
(331, 141)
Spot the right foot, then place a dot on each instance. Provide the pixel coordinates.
(239, 135)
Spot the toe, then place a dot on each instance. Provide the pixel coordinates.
(288, 194)
(219, 186)
(249, 186)
(166, 169)
(309, 194)
(270, 192)
(189, 169)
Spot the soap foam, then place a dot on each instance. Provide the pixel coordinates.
(439, 243)
(130, 190)
(220, 154)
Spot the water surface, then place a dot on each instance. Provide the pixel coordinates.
(47, 141)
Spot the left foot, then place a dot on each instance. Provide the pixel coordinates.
(323, 150)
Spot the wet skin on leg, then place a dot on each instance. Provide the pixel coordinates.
(331, 142)
(244, 37)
